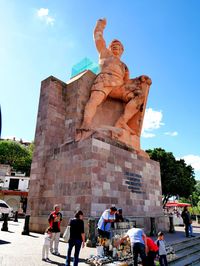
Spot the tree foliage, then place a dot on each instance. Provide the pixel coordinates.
(16, 155)
(196, 195)
(176, 176)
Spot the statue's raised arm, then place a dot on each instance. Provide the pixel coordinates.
(98, 35)
(114, 82)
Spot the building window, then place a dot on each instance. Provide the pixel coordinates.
(14, 184)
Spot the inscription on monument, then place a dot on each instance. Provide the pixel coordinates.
(133, 182)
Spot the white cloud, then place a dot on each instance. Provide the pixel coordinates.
(193, 160)
(43, 14)
(152, 121)
(148, 135)
(172, 134)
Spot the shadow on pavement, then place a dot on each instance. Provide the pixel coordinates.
(14, 224)
(56, 263)
(2, 242)
(32, 236)
(9, 232)
(64, 257)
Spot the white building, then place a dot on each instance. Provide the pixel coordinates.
(14, 188)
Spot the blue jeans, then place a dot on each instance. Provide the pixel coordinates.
(77, 243)
(190, 229)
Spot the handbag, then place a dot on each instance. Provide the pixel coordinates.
(66, 235)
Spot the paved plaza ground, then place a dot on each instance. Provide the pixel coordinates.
(21, 250)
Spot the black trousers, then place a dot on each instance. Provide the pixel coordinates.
(163, 260)
(139, 249)
(102, 233)
(186, 230)
(150, 258)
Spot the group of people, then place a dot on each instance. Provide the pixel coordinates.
(146, 247)
(140, 243)
(52, 236)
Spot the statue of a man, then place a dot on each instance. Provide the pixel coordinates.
(113, 81)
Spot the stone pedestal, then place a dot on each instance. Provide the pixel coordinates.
(90, 175)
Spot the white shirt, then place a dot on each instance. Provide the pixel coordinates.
(105, 216)
(135, 235)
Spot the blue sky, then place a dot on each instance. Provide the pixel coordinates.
(161, 40)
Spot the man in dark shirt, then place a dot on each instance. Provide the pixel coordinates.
(55, 219)
(187, 221)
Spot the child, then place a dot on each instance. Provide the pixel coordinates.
(162, 249)
(152, 251)
(46, 245)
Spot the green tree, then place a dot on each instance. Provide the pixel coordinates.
(177, 178)
(16, 155)
(196, 195)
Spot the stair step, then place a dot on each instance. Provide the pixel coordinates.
(187, 254)
(187, 245)
(193, 260)
(181, 242)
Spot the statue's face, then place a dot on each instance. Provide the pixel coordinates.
(116, 48)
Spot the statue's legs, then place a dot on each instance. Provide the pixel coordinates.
(96, 98)
(131, 108)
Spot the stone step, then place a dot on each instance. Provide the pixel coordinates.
(193, 260)
(186, 240)
(186, 245)
(187, 252)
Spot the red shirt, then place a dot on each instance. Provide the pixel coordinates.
(55, 219)
(151, 245)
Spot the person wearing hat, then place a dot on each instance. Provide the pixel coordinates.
(104, 223)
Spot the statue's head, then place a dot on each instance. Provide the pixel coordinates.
(116, 47)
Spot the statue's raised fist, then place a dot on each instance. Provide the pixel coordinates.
(102, 21)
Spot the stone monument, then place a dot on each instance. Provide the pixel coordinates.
(87, 145)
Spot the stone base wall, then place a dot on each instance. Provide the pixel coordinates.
(92, 174)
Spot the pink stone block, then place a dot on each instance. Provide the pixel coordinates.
(89, 174)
